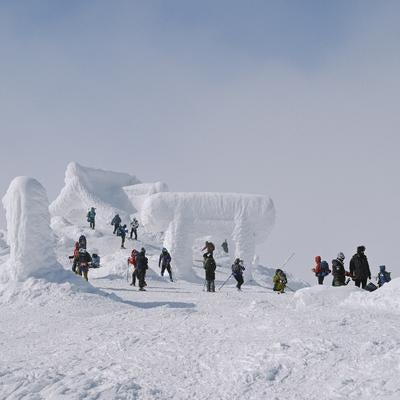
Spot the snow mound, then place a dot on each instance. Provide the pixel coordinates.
(88, 187)
(324, 296)
(245, 219)
(385, 298)
(29, 235)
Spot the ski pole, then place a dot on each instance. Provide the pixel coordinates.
(225, 282)
(287, 261)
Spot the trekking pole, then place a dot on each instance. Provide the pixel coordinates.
(290, 288)
(288, 259)
(225, 282)
(127, 273)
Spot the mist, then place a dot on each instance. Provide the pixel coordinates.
(294, 100)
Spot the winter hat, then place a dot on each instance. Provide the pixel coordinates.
(360, 249)
(340, 256)
(382, 268)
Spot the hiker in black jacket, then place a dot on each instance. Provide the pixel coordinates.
(142, 266)
(359, 268)
(338, 271)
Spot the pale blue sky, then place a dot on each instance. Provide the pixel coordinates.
(298, 99)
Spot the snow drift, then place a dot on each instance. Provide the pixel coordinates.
(29, 235)
(245, 219)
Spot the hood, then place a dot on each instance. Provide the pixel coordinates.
(318, 259)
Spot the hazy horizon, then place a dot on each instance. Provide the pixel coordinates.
(298, 100)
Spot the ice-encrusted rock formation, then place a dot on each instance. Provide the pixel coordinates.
(29, 235)
(246, 220)
(109, 192)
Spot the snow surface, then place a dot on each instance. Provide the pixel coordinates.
(68, 339)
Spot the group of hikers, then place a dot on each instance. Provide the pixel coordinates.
(119, 229)
(359, 271)
(82, 260)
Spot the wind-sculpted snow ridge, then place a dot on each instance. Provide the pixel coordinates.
(88, 187)
(245, 220)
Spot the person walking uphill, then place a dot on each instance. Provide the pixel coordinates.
(132, 261)
(83, 264)
(134, 228)
(210, 266)
(122, 231)
(75, 258)
(338, 272)
(164, 263)
(321, 269)
(383, 276)
(359, 268)
(91, 217)
(116, 221)
(237, 272)
(142, 266)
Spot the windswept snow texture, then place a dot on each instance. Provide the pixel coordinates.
(245, 219)
(88, 187)
(29, 235)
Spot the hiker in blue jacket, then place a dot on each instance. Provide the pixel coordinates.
(91, 216)
(122, 231)
(383, 276)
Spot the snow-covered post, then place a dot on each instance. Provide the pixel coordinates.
(29, 235)
(178, 238)
(244, 239)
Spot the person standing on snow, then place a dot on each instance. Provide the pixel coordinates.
(321, 269)
(122, 231)
(91, 216)
(164, 263)
(280, 281)
(224, 246)
(132, 261)
(75, 258)
(83, 264)
(209, 246)
(237, 272)
(359, 268)
(134, 228)
(338, 272)
(210, 266)
(142, 266)
(116, 221)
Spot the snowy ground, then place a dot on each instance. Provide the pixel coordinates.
(177, 342)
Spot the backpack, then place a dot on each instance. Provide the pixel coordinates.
(325, 268)
(237, 268)
(282, 277)
(383, 277)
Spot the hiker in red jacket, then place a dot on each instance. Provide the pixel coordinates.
(132, 261)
